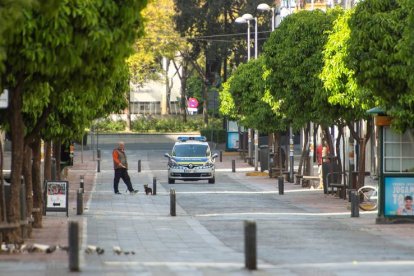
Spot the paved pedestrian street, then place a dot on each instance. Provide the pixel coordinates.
(302, 232)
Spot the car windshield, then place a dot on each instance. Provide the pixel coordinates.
(190, 150)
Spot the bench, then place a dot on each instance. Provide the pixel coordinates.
(334, 180)
(310, 178)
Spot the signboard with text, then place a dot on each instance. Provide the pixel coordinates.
(399, 193)
(57, 196)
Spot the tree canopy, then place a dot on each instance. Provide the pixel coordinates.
(67, 59)
(342, 97)
(295, 60)
(377, 30)
(241, 98)
(160, 40)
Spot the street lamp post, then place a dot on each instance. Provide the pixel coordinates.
(241, 20)
(266, 7)
(285, 11)
(248, 17)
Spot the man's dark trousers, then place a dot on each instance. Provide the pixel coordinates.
(122, 173)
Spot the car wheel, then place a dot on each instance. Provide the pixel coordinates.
(171, 181)
(212, 181)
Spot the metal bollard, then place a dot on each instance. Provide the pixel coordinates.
(354, 205)
(99, 165)
(172, 202)
(139, 165)
(98, 153)
(79, 202)
(221, 156)
(250, 245)
(154, 185)
(73, 246)
(233, 165)
(281, 185)
(82, 183)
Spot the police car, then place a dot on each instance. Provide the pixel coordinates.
(190, 160)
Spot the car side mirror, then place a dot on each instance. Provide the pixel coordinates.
(214, 155)
(167, 155)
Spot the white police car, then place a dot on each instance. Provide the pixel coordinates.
(190, 160)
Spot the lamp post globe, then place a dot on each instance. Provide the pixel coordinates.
(248, 16)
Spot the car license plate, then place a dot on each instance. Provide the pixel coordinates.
(190, 170)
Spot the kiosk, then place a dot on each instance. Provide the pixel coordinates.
(396, 176)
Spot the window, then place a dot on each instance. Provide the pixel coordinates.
(190, 150)
(398, 151)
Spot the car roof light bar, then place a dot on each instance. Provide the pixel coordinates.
(192, 138)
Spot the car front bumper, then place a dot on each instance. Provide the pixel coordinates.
(191, 174)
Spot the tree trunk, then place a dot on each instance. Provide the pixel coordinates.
(361, 164)
(205, 111)
(328, 138)
(2, 196)
(17, 134)
(167, 86)
(47, 174)
(183, 90)
(37, 184)
(362, 142)
(27, 173)
(57, 143)
(305, 151)
(128, 113)
(338, 147)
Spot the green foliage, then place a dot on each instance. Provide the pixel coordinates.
(380, 56)
(172, 124)
(108, 125)
(217, 135)
(195, 89)
(342, 99)
(241, 99)
(70, 60)
(11, 15)
(294, 59)
(216, 17)
(160, 40)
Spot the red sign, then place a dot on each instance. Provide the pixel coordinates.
(192, 102)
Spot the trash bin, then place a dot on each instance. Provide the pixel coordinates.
(264, 157)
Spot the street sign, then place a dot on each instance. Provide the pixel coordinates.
(4, 99)
(192, 103)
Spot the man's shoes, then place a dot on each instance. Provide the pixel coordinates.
(118, 193)
(133, 191)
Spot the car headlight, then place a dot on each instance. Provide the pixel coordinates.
(172, 164)
(209, 164)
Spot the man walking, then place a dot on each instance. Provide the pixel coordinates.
(121, 169)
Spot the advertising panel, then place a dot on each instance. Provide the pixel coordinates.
(56, 196)
(399, 193)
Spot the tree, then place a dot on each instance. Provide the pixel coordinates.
(154, 54)
(343, 99)
(377, 29)
(75, 42)
(205, 24)
(11, 15)
(242, 99)
(294, 59)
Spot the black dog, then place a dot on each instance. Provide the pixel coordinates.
(148, 190)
